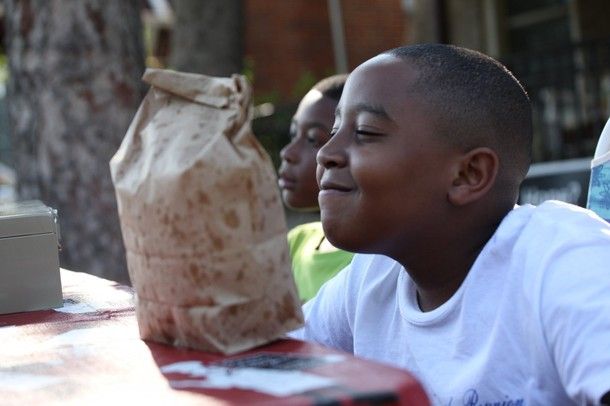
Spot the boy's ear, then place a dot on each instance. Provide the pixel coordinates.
(475, 173)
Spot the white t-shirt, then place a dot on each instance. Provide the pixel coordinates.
(530, 324)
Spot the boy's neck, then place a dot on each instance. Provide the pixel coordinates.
(429, 298)
(438, 276)
(433, 289)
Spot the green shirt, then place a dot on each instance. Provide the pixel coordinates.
(310, 265)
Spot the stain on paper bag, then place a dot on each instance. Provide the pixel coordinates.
(202, 219)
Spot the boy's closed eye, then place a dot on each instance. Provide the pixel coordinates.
(317, 136)
(362, 134)
(314, 134)
(365, 135)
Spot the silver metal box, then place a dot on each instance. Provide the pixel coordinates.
(29, 257)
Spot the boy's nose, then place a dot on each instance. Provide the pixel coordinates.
(332, 154)
(288, 153)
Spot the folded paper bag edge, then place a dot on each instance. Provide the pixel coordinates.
(193, 86)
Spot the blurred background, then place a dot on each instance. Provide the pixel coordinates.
(70, 83)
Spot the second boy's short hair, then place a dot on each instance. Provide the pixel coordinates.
(476, 101)
(332, 86)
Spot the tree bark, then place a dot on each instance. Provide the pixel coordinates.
(74, 86)
(207, 37)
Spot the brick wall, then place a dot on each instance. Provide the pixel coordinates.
(372, 26)
(284, 40)
(289, 43)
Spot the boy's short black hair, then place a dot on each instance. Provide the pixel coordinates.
(476, 101)
(332, 86)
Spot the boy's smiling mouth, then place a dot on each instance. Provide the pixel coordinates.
(286, 182)
(330, 186)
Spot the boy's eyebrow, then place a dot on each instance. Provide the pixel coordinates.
(315, 124)
(373, 109)
(318, 125)
(338, 111)
(369, 108)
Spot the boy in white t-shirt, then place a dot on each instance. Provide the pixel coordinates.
(485, 302)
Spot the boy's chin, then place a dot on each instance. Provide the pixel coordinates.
(295, 202)
(344, 244)
(302, 209)
(337, 238)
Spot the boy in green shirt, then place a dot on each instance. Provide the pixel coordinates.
(314, 259)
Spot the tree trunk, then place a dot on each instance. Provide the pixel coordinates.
(207, 37)
(74, 86)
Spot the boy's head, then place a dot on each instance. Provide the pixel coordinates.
(309, 130)
(427, 138)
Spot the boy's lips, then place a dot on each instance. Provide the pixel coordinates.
(286, 182)
(332, 186)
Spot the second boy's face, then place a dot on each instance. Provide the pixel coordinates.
(383, 175)
(309, 130)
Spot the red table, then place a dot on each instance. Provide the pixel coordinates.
(90, 353)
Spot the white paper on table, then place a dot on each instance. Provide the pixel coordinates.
(91, 336)
(274, 382)
(75, 308)
(19, 382)
(7, 331)
(77, 305)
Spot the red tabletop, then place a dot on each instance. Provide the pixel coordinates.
(89, 352)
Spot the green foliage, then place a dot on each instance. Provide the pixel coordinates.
(3, 68)
(305, 82)
(248, 69)
(272, 97)
(272, 131)
(5, 144)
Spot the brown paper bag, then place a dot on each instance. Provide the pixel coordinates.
(202, 219)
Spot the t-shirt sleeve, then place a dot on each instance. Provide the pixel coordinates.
(575, 314)
(295, 238)
(327, 320)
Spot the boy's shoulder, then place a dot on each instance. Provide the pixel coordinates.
(373, 271)
(532, 237)
(555, 220)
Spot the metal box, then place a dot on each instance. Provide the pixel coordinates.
(29, 257)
